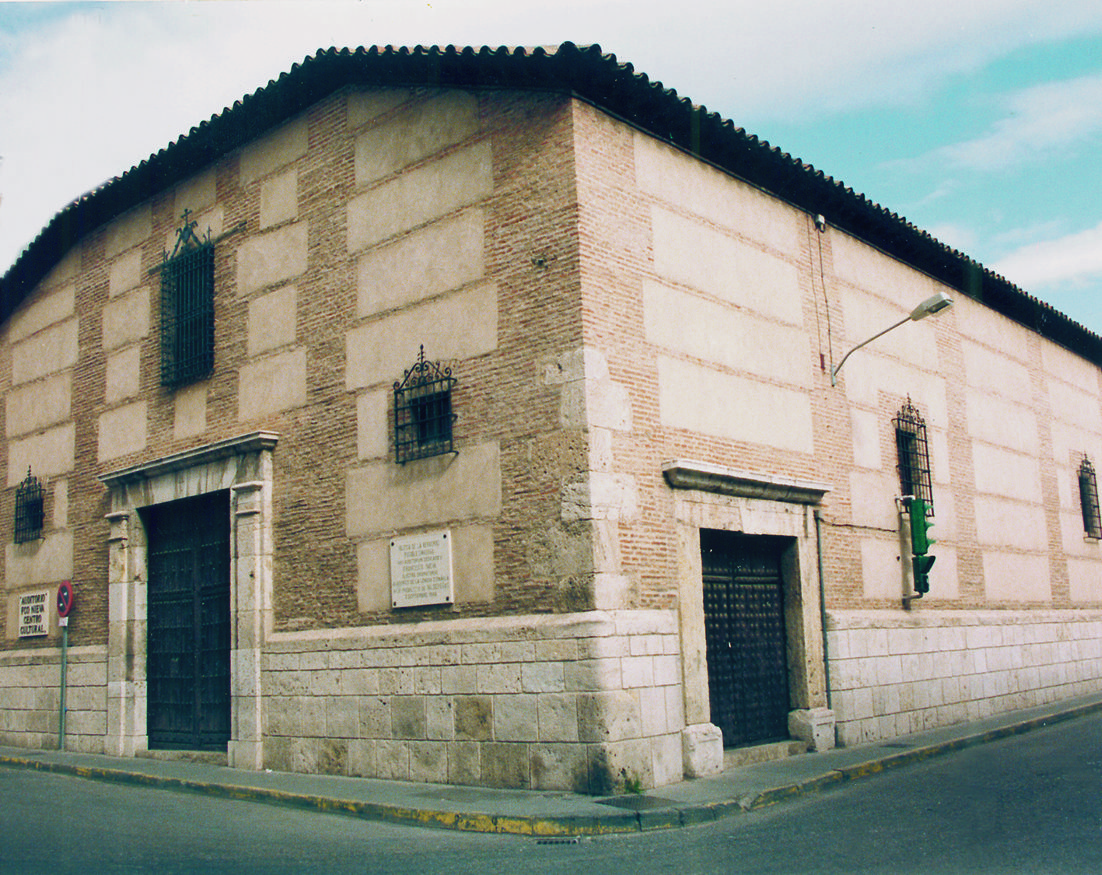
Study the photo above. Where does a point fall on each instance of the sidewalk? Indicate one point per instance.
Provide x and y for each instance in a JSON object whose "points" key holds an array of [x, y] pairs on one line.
{"points": [[527, 812]]}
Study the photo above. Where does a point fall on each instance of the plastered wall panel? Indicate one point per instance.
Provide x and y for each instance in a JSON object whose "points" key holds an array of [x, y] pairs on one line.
{"points": [[196, 194], [274, 151], [866, 315], [126, 273], [1085, 579], [48, 560], [366, 106], [273, 320], [872, 494], [868, 378], [706, 329], [279, 199], [126, 319], [437, 258], [881, 573], [977, 322], [694, 254], [944, 576], [129, 230], [733, 407], [867, 429], [271, 258], [412, 199], [123, 374], [372, 421], [47, 352], [1005, 523], [995, 372], [1074, 405], [417, 132], [1066, 366], [1000, 472], [671, 175], [47, 454], [384, 497], [68, 266], [40, 312], [871, 270], [456, 327], [1073, 535], [190, 411], [122, 431], [472, 568], [1012, 577], [1001, 421], [1069, 443], [272, 384], [35, 406]]}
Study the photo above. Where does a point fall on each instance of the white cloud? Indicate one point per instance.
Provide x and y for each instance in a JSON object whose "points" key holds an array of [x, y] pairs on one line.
{"points": [[1075, 259], [1039, 121]]}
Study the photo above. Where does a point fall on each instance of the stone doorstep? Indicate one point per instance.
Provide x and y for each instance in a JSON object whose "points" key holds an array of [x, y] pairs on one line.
{"points": [[736, 757], [208, 757]]}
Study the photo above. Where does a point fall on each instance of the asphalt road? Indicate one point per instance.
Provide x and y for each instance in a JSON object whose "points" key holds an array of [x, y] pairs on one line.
{"points": [[1029, 804]]}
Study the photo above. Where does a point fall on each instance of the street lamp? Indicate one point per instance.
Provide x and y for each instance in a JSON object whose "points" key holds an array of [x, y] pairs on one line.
{"points": [[933, 304]]}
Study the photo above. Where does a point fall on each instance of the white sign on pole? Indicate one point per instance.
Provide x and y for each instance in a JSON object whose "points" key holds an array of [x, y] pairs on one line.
{"points": [[32, 614], [421, 570]]}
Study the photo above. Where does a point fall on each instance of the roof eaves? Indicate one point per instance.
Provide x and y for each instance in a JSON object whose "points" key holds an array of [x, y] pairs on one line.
{"points": [[590, 74]]}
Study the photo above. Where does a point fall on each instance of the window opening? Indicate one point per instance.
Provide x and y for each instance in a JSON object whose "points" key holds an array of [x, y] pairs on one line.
{"points": [[187, 308], [913, 456], [423, 415], [29, 509], [1088, 499]]}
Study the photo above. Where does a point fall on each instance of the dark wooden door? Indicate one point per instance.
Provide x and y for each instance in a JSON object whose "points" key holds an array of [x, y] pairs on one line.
{"points": [[745, 636], [188, 650]]}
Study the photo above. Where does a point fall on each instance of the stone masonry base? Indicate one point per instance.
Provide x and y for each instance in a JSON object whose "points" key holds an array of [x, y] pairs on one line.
{"points": [[896, 672], [586, 702]]}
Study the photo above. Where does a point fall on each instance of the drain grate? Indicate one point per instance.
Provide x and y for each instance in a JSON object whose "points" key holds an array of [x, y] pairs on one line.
{"points": [[572, 840]]}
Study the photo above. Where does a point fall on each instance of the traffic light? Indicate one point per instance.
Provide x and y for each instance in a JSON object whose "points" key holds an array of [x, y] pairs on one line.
{"points": [[920, 545], [921, 566]]}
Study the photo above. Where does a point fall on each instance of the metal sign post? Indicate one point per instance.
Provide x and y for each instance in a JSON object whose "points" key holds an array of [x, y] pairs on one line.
{"points": [[64, 606]]}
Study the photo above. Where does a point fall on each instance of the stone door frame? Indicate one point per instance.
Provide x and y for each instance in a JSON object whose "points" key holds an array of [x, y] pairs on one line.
{"points": [[243, 465], [708, 496]]}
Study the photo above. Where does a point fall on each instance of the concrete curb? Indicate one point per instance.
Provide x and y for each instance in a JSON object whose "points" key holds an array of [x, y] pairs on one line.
{"points": [[616, 821]]}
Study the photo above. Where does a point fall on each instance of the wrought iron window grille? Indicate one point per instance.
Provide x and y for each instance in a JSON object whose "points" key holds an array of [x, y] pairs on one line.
{"points": [[1088, 499], [913, 456], [29, 509], [187, 307], [423, 416]]}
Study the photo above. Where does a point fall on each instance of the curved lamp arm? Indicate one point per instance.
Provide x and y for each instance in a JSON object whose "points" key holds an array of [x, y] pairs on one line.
{"points": [[933, 304]]}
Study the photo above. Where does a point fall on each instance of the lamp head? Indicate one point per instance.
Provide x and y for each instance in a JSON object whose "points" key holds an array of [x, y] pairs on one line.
{"points": [[933, 304]]}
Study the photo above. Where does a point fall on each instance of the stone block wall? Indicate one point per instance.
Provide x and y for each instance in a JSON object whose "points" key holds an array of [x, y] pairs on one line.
{"points": [[582, 702], [29, 708], [893, 674]]}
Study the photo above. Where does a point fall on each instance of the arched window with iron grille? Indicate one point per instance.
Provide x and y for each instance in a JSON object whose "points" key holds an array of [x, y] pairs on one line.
{"points": [[1088, 499], [29, 509], [913, 455]]}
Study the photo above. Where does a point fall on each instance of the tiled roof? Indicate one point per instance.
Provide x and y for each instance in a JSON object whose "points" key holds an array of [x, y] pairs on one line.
{"points": [[584, 72]]}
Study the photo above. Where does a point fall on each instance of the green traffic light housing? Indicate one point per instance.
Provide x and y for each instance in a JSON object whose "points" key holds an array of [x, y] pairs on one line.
{"points": [[920, 545], [920, 527]]}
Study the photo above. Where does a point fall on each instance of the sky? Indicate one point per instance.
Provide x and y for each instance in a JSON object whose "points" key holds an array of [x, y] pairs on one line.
{"points": [[979, 121]]}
